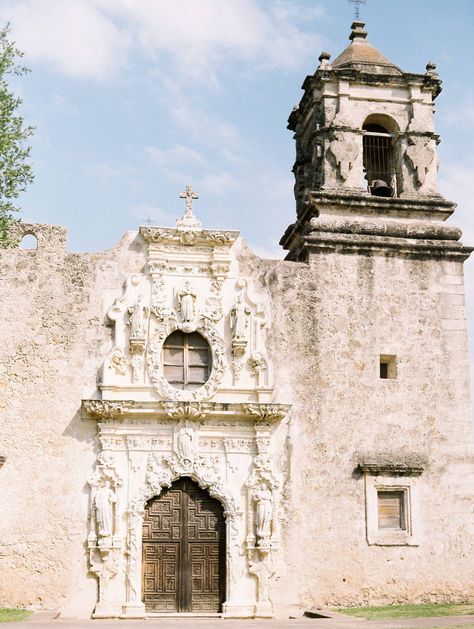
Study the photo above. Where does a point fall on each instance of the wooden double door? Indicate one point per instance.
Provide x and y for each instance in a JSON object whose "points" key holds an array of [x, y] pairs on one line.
{"points": [[183, 551]]}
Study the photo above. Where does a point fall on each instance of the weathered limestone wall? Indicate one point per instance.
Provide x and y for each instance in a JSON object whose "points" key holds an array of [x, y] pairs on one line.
{"points": [[53, 341], [333, 319]]}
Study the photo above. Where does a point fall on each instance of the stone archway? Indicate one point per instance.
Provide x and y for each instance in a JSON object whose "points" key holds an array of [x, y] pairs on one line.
{"points": [[183, 551]]}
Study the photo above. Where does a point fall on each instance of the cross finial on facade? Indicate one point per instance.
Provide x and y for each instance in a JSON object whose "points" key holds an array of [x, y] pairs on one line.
{"points": [[189, 195], [357, 4], [148, 220], [188, 219]]}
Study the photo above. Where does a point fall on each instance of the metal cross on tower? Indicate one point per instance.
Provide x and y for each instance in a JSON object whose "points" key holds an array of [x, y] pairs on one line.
{"points": [[357, 4]]}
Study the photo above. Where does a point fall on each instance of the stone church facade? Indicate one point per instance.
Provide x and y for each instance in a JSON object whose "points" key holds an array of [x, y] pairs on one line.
{"points": [[188, 428]]}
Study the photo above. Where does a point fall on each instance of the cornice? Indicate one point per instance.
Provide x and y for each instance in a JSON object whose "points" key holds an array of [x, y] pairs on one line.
{"points": [[123, 410], [188, 236], [391, 464]]}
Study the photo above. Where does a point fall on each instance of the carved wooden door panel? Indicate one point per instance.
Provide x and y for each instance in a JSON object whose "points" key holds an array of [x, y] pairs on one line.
{"points": [[183, 551]]}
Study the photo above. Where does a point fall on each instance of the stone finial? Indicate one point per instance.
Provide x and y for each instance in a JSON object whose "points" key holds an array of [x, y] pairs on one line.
{"points": [[357, 32], [431, 69], [324, 61], [188, 220]]}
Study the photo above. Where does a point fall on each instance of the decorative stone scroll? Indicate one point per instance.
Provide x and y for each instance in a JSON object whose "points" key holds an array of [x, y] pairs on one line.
{"points": [[106, 409], [267, 413]]}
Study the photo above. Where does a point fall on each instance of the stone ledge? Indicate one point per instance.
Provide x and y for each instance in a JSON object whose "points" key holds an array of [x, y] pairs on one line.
{"points": [[124, 410], [391, 463], [353, 243]]}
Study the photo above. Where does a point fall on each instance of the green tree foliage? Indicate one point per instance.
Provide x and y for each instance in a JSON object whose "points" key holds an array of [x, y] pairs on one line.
{"points": [[15, 170]]}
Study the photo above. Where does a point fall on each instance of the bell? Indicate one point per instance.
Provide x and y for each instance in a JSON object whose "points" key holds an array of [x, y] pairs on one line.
{"points": [[380, 188]]}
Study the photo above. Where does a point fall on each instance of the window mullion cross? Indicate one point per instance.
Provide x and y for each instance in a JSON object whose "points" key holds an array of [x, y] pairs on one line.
{"points": [[185, 362]]}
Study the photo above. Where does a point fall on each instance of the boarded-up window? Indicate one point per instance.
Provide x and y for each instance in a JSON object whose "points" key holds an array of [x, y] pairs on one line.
{"points": [[391, 510], [186, 360]]}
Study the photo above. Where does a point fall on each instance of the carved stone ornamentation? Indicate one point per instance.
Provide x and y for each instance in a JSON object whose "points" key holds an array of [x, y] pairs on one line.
{"points": [[262, 484], [187, 299], [266, 413], [155, 367], [186, 442], [185, 410], [239, 316], [420, 155], [138, 319], [106, 409], [344, 153], [104, 542], [262, 570], [118, 362]]}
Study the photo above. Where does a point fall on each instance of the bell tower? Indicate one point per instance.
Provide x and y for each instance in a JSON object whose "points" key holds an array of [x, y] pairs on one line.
{"points": [[366, 153]]}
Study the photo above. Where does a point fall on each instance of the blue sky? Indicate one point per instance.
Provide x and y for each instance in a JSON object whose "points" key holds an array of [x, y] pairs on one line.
{"points": [[134, 99]]}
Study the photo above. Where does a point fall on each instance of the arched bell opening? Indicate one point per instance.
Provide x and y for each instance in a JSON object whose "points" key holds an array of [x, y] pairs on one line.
{"points": [[183, 551], [379, 155]]}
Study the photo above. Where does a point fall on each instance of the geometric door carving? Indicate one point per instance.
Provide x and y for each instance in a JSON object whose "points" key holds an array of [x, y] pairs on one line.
{"points": [[183, 550]]}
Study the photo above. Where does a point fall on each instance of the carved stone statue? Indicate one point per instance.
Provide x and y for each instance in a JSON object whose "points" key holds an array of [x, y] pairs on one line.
{"points": [[263, 570], [185, 444], [263, 513], [186, 302], [104, 499], [137, 320], [239, 319]]}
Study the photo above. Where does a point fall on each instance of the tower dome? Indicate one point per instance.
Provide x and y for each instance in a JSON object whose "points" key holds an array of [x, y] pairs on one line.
{"points": [[361, 55]]}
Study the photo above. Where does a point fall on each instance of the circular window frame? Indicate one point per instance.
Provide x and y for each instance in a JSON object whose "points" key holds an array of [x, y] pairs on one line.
{"points": [[218, 366]]}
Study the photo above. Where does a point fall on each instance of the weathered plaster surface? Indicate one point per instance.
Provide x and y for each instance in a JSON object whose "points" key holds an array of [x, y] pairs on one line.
{"points": [[331, 319]]}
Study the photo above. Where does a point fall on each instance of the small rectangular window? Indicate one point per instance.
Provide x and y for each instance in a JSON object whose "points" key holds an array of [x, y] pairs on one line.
{"points": [[388, 367], [391, 510]]}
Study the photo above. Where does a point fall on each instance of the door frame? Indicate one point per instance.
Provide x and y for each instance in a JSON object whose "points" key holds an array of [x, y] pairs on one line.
{"points": [[134, 607], [184, 558]]}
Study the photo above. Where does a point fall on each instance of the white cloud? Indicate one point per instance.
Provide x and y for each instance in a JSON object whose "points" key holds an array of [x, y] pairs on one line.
{"points": [[73, 36], [92, 38]]}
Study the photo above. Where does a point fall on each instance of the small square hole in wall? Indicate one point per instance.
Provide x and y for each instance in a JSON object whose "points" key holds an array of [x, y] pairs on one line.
{"points": [[388, 366]]}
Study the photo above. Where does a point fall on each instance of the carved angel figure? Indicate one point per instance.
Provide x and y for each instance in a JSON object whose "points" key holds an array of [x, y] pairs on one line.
{"points": [[239, 318], [264, 512], [104, 499], [186, 302], [137, 320]]}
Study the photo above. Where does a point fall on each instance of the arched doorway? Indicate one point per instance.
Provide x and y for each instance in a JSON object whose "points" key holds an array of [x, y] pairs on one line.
{"points": [[183, 550]]}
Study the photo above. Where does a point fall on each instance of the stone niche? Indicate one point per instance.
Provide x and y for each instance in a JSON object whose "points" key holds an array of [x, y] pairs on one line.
{"points": [[226, 435]]}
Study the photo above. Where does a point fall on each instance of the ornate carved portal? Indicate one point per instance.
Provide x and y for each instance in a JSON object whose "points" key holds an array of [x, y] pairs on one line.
{"points": [[186, 497], [183, 551]]}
